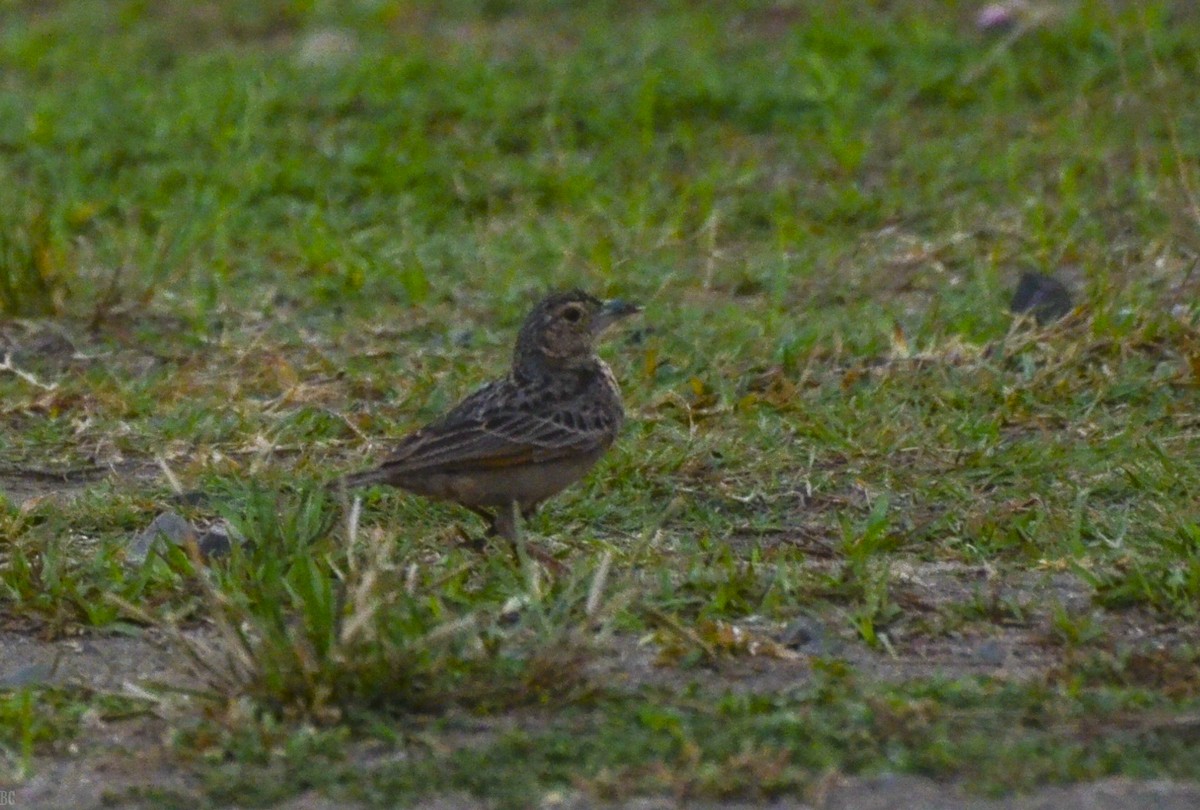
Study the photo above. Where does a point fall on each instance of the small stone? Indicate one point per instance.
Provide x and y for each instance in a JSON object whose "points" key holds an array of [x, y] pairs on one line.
{"points": [[1042, 296], [213, 541], [805, 634], [513, 607], [991, 653], [219, 540], [996, 17], [329, 47], [169, 526]]}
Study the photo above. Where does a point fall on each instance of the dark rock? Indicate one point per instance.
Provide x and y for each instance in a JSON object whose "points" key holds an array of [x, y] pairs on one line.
{"points": [[169, 526], [807, 635], [214, 541], [219, 540], [1045, 298]]}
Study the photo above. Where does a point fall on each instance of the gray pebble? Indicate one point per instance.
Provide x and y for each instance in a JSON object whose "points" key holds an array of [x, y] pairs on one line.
{"points": [[807, 635]]}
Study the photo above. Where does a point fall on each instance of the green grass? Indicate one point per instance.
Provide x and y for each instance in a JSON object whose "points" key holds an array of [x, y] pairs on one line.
{"points": [[37, 720], [271, 239], [697, 745]]}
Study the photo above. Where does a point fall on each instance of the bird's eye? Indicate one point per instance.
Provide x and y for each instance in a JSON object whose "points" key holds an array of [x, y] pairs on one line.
{"points": [[573, 314]]}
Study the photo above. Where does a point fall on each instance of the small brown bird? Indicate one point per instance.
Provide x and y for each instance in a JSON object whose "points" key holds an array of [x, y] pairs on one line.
{"points": [[524, 438]]}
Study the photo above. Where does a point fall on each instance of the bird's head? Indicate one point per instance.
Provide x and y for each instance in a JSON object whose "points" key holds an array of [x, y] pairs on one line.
{"points": [[562, 329]]}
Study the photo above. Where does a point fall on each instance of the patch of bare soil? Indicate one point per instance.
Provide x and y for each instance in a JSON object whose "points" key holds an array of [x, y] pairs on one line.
{"points": [[101, 662], [108, 766], [109, 761]]}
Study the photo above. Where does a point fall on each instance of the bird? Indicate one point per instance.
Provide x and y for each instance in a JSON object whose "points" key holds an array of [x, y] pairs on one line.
{"points": [[525, 437]]}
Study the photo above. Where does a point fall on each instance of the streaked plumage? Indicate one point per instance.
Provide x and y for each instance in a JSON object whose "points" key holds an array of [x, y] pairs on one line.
{"points": [[526, 437]]}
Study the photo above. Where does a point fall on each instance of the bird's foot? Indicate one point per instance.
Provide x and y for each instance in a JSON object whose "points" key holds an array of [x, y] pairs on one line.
{"points": [[467, 540], [542, 556]]}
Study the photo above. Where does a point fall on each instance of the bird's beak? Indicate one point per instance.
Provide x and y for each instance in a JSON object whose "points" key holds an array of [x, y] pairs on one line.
{"points": [[613, 310]]}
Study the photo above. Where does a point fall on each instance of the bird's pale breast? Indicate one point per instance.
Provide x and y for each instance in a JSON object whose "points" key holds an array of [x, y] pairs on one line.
{"points": [[527, 484]]}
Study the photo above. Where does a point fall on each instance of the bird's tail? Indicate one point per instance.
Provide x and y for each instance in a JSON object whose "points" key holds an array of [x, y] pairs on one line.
{"points": [[356, 480]]}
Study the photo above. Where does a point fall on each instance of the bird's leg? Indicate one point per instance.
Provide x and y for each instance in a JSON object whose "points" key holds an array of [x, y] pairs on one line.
{"points": [[508, 526], [470, 540], [505, 523], [475, 543], [487, 516]]}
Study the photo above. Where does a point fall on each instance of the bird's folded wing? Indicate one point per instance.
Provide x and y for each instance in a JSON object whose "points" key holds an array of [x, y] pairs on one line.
{"points": [[495, 440]]}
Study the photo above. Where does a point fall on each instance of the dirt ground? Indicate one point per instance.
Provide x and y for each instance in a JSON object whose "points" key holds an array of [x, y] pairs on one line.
{"points": [[111, 761], [105, 778]]}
